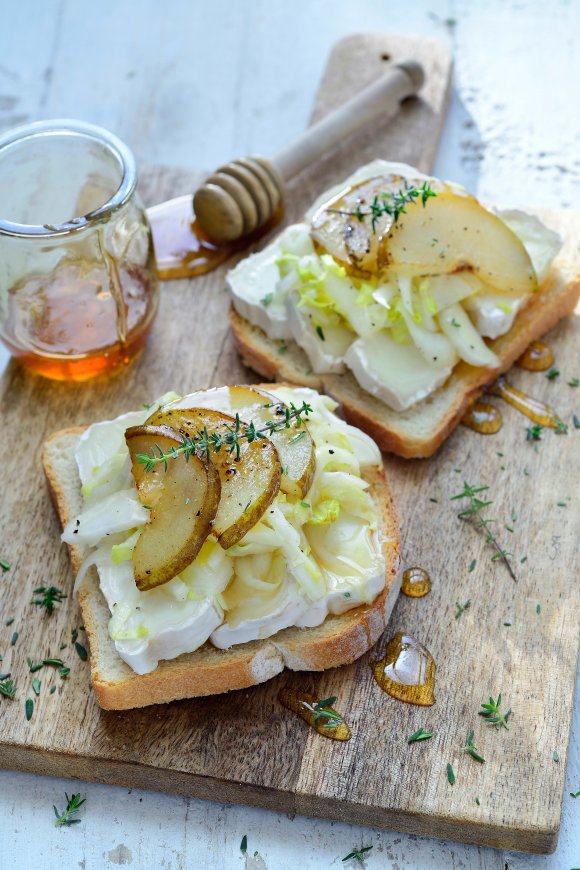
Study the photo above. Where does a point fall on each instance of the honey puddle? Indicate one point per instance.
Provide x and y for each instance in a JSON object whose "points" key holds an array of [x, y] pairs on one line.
{"points": [[416, 583], [537, 358], [483, 418], [535, 410], [182, 249], [304, 704], [406, 671]]}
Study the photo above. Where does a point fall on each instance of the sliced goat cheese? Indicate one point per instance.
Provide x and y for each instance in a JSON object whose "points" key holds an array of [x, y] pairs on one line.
{"points": [[541, 243], [397, 374], [494, 313], [325, 346], [253, 281]]}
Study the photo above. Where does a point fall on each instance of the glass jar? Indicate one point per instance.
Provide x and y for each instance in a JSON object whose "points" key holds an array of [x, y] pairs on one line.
{"points": [[78, 285]]}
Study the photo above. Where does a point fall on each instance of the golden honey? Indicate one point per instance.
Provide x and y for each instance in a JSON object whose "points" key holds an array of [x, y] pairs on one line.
{"points": [[537, 358], [301, 704], [416, 583], [537, 411], [406, 671], [483, 418]]}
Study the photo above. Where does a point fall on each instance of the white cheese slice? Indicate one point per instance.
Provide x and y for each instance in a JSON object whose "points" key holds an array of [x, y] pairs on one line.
{"points": [[397, 374], [325, 354], [541, 243], [494, 313]]}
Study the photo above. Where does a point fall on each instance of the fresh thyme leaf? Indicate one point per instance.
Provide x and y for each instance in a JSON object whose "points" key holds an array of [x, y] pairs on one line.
{"points": [[561, 428], [553, 374], [36, 686], [14, 638], [472, 565], [4, 565], [492, 713], [575, 794], [9, 621], [50, 597], [576, 421], [267, 299], [82, 653], [555, 756], [461, 607], [450, 775], [477, 802], [538, 608], [472, 749], [455, 323], [52, 690], [574, 382], [534, 433], [357, 854], [56, 663], [29, 709], [244, 844], [63, 672], [421, 734], [320, 333], [473, 515], [73, 805], [435, 500], [321, 711], [523, 559], [393, 204], [282, 349], [561, 504], [148, 406], [7, 688]]}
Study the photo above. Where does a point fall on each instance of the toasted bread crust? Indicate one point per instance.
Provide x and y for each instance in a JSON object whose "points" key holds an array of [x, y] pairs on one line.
{"points": [[340, 639], [403, 432]]}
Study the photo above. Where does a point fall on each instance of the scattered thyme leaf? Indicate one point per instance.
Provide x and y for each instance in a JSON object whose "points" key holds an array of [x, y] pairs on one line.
{"points": [[553, 374], [473, 515], [282, 349], [472, 749], [4, 565], [492, 713], [472, 565], [244, 844], [561, 428], [267, 299], [50, 596], [555, 756], [461, 607], [82, 653], [576, 421], [561, 504], [538, 608], [534, 433], [29, 709], [450, 775], [357, 854], [523, 559], [575, 794], [14, 638], [392, 204], [435, 500], [421, 734], [477, 802], [8, 688], [36, 686], [73, 805], [320, 333]]}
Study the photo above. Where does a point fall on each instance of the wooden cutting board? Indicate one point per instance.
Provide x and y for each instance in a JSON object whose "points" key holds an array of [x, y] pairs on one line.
{"points": [[245, 747]]}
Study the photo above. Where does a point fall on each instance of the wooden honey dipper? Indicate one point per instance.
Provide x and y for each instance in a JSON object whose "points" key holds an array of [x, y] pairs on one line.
{"points": [[243, 195]]}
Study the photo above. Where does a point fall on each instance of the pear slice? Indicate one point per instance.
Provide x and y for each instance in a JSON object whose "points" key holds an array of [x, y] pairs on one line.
{"points": [[452, 232], [185, 500], [357, 244], [297, 454], [249, 484]]}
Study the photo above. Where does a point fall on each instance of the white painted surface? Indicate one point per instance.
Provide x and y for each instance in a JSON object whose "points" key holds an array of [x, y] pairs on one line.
{"points": [[194, 84]]}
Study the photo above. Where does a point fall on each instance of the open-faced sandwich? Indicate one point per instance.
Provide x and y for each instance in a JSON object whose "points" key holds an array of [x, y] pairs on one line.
{"points": [[222, 536], [402, 297]]}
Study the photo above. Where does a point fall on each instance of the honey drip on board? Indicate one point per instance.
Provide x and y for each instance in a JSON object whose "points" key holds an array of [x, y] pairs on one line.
{"points": [[416, 583], [406, 671], [296, 701], [74, 324], [535, 410], [537, 358], [182, 249], [483, 418]]}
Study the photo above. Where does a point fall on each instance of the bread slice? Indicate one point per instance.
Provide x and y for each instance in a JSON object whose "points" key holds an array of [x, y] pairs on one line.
{"points": [[420, 430], [209, 671]]}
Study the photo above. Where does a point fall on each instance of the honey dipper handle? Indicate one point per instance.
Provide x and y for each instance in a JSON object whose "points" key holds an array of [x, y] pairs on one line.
{"points": [[383, 96]]}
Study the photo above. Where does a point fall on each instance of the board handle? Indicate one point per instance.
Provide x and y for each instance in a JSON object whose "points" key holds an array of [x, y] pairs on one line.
{"points": [[243, 195]]}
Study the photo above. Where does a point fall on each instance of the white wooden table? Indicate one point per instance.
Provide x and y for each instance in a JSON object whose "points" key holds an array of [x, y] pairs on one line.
{"points": [[195, 83]]}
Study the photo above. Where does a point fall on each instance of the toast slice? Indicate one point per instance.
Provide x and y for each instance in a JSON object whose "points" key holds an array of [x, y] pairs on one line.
{"points": [[208, 671], [420, 430]]}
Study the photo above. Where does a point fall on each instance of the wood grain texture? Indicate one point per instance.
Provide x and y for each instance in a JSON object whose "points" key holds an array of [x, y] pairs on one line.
{"points": [[246, 747]]}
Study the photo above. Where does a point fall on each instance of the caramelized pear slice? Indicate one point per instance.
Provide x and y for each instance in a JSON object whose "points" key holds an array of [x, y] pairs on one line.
{"points": [[297, 455], [455, 232], [357, 244], [249, 484], [185, 499]]}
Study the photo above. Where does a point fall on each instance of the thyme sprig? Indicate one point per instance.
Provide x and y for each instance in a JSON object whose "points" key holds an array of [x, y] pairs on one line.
{"points": [[492, 713], [392, 204], [7, 688], [50, 596], [73, 805], [204, 443], [357, 854], [472, 514], [321, 711], [472, 749]]}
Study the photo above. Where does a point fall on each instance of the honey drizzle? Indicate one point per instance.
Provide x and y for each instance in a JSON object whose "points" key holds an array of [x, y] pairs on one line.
{"points": [[416, 583], [406, 671], [537, 358], [296, 701], [182, 249], [532, 408], [483, 418]]}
